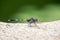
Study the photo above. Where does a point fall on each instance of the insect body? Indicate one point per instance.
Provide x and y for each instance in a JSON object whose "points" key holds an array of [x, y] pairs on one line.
{"points": [[32, 21]]}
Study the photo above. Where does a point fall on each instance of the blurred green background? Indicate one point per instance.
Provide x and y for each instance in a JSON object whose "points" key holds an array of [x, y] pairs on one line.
{"points": [[43, 10]]}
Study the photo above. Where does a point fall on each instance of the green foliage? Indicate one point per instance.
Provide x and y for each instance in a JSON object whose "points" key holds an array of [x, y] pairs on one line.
{"points": [[37, 8]]}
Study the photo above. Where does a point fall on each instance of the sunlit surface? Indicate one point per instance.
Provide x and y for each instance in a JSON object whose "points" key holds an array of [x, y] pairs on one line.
{"points": [[21, 31]]}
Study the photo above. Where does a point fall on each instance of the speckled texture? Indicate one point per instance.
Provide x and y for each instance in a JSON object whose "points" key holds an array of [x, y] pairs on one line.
{"points": [[21, 31]]}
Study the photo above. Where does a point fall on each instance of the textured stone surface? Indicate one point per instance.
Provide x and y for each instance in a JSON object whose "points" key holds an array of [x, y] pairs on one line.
{"points": [[21, 31]]}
